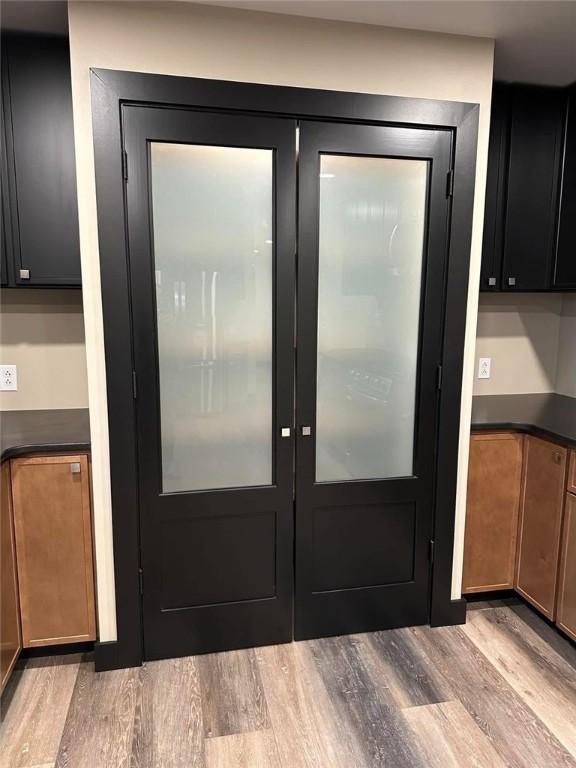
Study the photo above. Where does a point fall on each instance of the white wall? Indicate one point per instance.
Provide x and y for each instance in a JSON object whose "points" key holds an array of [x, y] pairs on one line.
{"points": [[202, 41], [566, 371], [521, 333], [42, 333]]}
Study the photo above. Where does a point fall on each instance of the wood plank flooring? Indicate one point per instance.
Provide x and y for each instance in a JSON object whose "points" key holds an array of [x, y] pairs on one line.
{"points": [[499, 692]]}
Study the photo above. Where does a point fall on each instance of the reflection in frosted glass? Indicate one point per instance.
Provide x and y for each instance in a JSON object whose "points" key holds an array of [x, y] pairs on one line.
{"points": [[372, 217], [213, 223]]}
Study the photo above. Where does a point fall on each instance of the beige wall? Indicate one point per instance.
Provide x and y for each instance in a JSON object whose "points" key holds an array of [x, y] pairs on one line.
{"points": [[520, 333], [566, 371], [202, 41], [42, 333]]}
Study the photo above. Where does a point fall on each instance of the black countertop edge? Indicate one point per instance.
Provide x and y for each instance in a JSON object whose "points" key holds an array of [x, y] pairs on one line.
{"points": [[548, 415], [22, 451], [36, 432], [528, 429]]}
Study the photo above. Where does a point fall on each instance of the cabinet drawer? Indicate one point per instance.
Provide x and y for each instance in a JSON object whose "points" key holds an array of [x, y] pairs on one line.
{"points": [[54, 549], [543, 491]]}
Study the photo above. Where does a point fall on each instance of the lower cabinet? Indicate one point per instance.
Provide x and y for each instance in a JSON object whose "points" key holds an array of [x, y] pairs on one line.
{"points": [[492, 512], [51, 497], [10, 638], [566, 610], [543, 491], [521, 522]]}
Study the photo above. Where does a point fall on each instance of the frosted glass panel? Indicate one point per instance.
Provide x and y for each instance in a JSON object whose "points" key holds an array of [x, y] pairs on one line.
{"points": [[213, 225], [372, 220]]}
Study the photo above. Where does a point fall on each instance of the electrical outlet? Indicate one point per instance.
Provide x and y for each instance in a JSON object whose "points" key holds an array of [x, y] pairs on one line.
{"points": [[8, 378], [484, 364]]}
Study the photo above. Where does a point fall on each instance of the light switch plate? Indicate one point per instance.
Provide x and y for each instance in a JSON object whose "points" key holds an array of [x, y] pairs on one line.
{"points": [[484, 365], [8, 378]]}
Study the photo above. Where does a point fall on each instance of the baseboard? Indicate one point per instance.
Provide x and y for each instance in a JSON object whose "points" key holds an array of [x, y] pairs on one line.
{"points": [[450, 614], [61, 649], [110, 655]]}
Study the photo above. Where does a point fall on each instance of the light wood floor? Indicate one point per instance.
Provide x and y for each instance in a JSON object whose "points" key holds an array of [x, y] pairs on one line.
{"points": [[498, 692]]}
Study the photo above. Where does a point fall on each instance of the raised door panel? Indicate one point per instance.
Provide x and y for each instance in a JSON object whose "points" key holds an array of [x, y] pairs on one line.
{"points": [[54, 549], [494, 478], [566, 613], [572, 473], [42, 183], [543, 490], [532, 190], [10, 638]]}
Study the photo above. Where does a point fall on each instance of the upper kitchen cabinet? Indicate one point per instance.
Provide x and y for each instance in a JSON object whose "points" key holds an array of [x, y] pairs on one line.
{"points": [[38, 172], [522, 194], [565, 267]]}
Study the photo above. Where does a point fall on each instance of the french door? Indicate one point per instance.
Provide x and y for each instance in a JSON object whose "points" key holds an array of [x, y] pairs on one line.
{"points": [[281, 501]]}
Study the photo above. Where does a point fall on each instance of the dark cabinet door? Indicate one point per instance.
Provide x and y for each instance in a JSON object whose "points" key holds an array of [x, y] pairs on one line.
{"points": [[40, 153], [565, 266], [493, 240], [532, 187]]}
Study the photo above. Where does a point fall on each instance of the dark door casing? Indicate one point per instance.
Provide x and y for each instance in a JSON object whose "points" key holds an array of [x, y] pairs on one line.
{"points": [[112, 94]]}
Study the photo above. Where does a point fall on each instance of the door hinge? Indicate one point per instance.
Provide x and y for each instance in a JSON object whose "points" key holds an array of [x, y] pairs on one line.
{"points": [[450, 183], [125, 165], [431, 552], [439, 376], [134, 386], [141, 580]]}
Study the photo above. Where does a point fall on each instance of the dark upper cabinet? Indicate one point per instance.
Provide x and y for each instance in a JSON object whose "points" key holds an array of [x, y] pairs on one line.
{"points": [[493, 240], [564, 277], [39, 174], [523, 188]]}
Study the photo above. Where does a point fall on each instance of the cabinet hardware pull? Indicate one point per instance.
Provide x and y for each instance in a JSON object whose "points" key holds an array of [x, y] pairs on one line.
{"points": [[306, 431], [75, 468], [285, 432], [24, 274], [491, 281], [511, 281]]}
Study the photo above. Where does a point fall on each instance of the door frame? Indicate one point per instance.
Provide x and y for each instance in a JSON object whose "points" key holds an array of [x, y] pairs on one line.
{"points": [[110, 90]]}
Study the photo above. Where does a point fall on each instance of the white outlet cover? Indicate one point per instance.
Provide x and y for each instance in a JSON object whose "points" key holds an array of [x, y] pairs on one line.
{"points": [[8, 378], [484, 366]]}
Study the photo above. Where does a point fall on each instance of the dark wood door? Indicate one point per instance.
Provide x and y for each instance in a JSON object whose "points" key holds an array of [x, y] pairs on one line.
{"points": [[40, 162], [373, 231], [532, 190], [565, 263], [211, 212]]}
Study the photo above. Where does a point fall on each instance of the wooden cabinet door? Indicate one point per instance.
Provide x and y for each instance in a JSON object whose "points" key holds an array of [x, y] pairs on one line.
{"points": [[543, 489], [54, 549], [532, 193], [10, 639], [565, 264], [494, 478], [493, 240], [566, 611], [40, 151]]}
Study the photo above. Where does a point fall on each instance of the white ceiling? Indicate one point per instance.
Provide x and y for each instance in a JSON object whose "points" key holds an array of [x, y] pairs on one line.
{"points": [[535, 39]]}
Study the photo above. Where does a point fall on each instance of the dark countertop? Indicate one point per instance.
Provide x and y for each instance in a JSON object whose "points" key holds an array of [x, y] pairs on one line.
{"points": [[548, 415], [25, 433]]}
